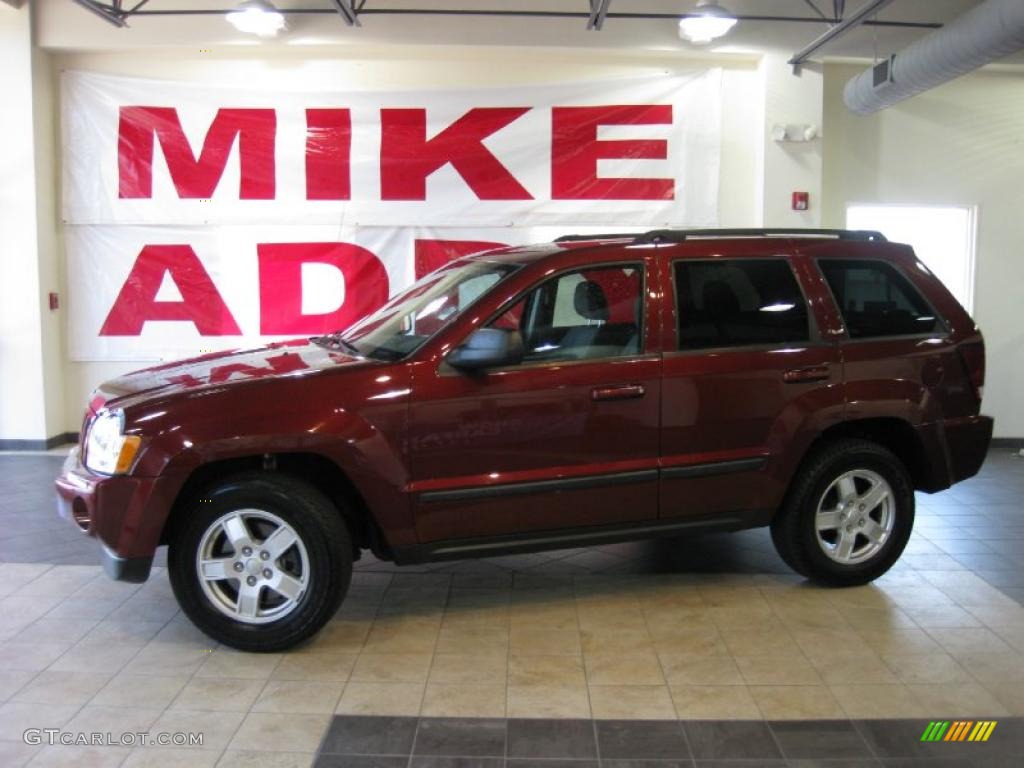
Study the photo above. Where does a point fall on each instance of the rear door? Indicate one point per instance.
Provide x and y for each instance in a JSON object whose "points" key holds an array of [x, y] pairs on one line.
{"points": [[749, 381]]}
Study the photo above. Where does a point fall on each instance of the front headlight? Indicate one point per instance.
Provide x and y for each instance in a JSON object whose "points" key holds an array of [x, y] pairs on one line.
{"points": [[108, 450]]}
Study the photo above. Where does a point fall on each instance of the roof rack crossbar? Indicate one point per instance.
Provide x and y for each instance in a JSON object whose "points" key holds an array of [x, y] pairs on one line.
{"points": [[681, 235], [586, 238]]}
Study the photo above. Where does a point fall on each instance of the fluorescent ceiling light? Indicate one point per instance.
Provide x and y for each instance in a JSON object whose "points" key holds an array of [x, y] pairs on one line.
{"points": [[257, 17], [708, 22]]}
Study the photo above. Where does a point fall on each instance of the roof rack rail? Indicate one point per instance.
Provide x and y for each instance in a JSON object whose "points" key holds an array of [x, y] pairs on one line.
{"points": [[586, 238], [681, 235]]}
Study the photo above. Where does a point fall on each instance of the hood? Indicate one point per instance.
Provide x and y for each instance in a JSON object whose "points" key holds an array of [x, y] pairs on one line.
{"points": [[283, 359]]}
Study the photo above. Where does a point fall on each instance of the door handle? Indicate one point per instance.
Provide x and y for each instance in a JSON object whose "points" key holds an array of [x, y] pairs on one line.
{"points": [[811, 373], [623, 392]]}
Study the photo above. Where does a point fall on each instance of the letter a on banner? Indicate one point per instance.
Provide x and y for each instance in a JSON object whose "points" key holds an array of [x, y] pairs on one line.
{"points": [[137, 301]]}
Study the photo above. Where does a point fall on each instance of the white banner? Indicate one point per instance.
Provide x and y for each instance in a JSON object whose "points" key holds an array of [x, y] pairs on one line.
{"points": [[201, 217], [160, 293]]}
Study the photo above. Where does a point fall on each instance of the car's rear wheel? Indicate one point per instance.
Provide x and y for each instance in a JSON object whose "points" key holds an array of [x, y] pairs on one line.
{"points": [[848, 515], [260, 562]]}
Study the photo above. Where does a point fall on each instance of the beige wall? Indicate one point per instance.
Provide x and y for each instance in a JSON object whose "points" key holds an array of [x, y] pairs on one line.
{"points": [[960, 144], [30, 354]]}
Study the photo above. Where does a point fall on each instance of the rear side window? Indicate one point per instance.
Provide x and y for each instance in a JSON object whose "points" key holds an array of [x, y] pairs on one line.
{"points": [[738, 302], [875, 299]]}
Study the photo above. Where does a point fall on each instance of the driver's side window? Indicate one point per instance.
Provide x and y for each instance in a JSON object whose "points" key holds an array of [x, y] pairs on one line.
{"points": [[586, 314]]}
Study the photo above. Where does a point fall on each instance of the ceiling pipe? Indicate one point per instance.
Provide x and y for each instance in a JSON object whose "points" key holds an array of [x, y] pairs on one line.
{"points": [[984, 34], [854, 20]]}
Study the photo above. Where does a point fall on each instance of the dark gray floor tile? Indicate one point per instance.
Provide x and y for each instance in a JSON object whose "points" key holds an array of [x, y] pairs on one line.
{"points": [[538, 762], [722, 739], [823, 739], [360, 761], [932, 762], [369, 735], [551, 738], [862, 762], [457, 762], [741, 764], [902, 738], [645, 764], [461, 737], [647, 739]]}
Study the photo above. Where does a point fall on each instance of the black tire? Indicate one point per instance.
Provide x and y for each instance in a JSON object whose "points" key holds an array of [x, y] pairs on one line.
{"points": [[794, 528], [322, 532]]}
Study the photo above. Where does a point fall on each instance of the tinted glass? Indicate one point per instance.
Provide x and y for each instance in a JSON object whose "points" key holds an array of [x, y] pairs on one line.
{"points": [[582, 315], [876, 300], [737, 302]]}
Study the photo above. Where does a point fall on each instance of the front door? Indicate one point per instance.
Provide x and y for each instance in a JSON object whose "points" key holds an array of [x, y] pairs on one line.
{"points": [[566, 439]]}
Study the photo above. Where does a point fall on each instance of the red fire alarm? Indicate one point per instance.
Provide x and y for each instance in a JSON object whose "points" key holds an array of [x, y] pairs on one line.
{"points": [[801, 201], [54, 302]]}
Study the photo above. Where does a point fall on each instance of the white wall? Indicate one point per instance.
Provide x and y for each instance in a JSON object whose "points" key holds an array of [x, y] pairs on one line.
{"points": [[399, 68], [960, 144], [30, 355]]}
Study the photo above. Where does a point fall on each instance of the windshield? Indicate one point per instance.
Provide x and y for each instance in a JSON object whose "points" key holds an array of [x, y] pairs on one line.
{"points": [[411, 317]]}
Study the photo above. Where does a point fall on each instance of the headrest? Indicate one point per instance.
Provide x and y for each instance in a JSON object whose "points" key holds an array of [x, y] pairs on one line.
{"points": [[590, 301]]}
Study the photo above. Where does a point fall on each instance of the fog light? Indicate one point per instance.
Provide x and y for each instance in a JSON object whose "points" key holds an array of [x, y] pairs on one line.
{"points": [[80, 514]]}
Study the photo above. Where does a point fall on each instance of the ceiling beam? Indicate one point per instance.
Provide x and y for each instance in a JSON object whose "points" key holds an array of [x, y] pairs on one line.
{"points": [[348, 12], [14, 3], [854, 20], [598, 13], [817, 10], [109, 13]]}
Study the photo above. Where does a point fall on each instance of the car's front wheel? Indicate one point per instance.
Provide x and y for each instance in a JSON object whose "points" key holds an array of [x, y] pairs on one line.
{"points": [[260, 562], [848, 515]]}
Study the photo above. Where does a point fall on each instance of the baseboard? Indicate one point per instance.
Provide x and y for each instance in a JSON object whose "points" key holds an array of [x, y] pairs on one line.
{"points": [[49, 443], [1012, 443]]}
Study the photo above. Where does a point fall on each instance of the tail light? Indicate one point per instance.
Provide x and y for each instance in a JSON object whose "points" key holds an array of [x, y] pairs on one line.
{"points": [[973, 356]]}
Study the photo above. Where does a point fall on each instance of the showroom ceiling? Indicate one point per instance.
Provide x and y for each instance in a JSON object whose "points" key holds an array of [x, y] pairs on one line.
{"points": [[642, 25]]}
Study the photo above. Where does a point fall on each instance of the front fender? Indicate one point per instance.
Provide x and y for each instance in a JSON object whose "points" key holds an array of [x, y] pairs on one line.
{"points": [[356, 420]]}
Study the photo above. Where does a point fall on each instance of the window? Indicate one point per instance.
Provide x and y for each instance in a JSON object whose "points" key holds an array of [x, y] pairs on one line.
{"points": [[587, 314], [876, 300], [942, 237], [737, 302], [402, 325]]}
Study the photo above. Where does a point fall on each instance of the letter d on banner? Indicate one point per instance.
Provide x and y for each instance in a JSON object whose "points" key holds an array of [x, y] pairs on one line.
{"points": [[366, 286]]}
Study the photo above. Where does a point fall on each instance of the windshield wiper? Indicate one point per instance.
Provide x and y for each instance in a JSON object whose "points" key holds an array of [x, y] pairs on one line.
{"points": [[334, 340]]}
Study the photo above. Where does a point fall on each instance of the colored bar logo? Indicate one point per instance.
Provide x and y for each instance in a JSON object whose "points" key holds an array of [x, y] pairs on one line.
{"points": [[958, 730]]}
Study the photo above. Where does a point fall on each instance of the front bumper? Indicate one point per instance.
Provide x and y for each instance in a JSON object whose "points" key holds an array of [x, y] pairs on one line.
{"points": [[133, 569], [125, 513]]}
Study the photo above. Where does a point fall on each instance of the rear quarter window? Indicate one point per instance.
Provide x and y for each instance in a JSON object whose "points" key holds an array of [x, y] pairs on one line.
{"points": [[877, 300]]}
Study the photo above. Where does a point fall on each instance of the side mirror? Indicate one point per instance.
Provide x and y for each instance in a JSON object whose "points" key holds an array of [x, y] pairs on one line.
{"points": [[488, 348]]}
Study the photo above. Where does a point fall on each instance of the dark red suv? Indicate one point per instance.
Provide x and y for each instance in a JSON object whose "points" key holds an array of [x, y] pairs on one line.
{"points": [[591, 390]]}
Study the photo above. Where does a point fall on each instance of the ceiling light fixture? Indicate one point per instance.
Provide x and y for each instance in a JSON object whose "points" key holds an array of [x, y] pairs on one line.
{"points": [[708, 22], [257, 17]]}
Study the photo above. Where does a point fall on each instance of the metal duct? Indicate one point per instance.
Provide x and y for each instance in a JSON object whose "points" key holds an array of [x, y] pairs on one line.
{"points": [[982, 35]]}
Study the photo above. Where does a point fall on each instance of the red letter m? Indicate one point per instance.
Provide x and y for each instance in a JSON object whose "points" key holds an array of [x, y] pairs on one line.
{"points": [[255, 129]]}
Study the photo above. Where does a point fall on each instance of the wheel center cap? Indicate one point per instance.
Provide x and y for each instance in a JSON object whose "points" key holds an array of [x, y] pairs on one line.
{"points": [[253, 566]]}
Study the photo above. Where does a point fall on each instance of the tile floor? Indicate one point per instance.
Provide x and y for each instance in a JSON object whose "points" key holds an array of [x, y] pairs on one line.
{"points": [[638, 636]]}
